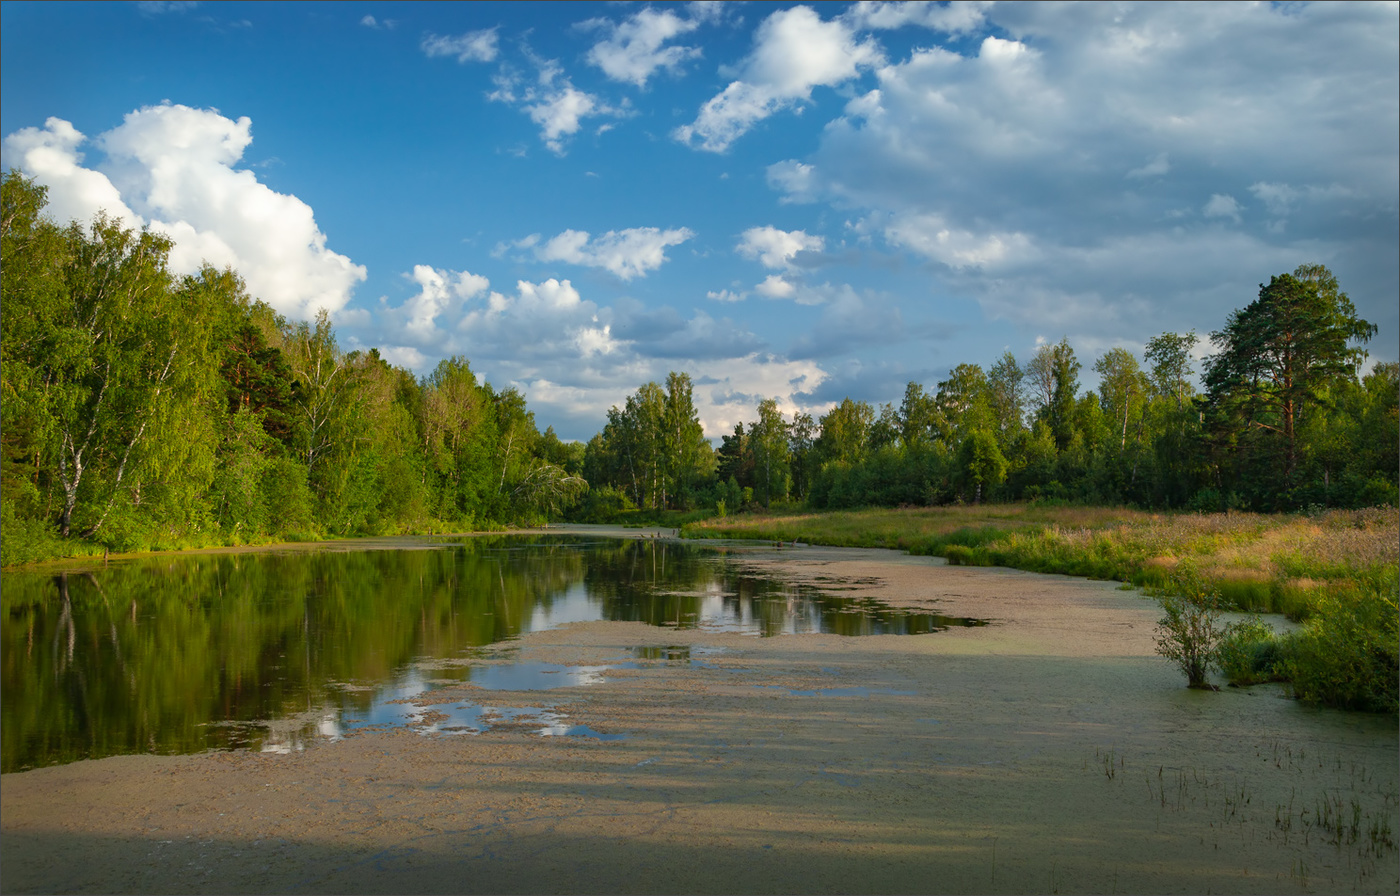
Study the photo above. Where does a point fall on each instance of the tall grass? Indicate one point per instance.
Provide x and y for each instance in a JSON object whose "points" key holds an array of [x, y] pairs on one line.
{"points": [[1337, 571], [1253, 562]]}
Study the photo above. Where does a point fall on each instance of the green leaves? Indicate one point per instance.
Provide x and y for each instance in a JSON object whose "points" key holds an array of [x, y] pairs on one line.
{"points": [[1279, 358]]}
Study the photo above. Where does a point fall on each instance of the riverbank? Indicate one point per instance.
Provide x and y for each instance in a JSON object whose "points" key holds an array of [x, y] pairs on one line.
{"points": [[1048, 751]]}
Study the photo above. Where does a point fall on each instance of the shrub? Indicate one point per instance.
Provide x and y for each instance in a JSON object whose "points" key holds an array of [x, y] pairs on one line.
{"points": [[1249, 653], [26, 540], [1348, 652], [1189, 634]]}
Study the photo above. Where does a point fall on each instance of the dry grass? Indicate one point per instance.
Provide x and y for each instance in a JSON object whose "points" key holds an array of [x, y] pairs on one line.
{"points": [[1256, 561]]}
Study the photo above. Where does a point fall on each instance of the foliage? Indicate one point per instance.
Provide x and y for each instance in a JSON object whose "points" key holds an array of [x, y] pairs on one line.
{"points": [[981, 461], [1249, 652], [1348, 652], [1189, 634], [1280, 358], [143, 410]]}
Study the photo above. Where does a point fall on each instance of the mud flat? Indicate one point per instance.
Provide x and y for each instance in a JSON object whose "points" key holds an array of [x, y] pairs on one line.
{"points": [[1049, 751]]}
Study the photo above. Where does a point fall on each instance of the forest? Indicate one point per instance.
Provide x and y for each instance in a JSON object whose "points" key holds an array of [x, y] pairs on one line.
{"points": [[148, 410]]}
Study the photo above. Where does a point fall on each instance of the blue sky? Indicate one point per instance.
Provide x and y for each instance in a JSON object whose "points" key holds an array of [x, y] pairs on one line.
{"points": [[787, 201]]}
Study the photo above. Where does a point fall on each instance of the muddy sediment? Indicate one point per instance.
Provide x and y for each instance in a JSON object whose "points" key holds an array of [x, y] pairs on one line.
{"points": [[1049, 751]]}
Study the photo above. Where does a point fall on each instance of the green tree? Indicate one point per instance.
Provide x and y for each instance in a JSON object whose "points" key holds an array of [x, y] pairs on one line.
{"points": [[459, 439], [920, 421], [963, 401], [1279, 356], [981, 462], [802, 440], [845, 431], [1054, 377], [769, 438], [102, 351], [1004, 395], [687, 455], [1123, 392], [1169, 359]]}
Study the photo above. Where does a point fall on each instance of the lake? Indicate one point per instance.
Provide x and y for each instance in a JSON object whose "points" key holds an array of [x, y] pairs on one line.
{"points": [[266, 650]]}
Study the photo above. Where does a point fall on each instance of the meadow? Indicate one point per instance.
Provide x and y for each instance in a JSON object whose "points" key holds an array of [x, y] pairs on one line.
{"points": [[1335, 571]]}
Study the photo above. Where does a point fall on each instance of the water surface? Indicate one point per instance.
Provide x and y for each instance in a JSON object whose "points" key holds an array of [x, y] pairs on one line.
{"points": [[188, 653]]}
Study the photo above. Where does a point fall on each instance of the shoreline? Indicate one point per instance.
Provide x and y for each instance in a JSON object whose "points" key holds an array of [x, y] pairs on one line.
{"points": [[1049, 750]]}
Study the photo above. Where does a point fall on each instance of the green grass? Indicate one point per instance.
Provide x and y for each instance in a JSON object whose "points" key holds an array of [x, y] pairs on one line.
{"points": [[1336, 570], [1254, 562]]}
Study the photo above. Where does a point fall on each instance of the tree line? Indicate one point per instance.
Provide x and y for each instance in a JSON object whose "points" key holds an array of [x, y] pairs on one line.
{"points": [[142, 409], [1285, 421]]}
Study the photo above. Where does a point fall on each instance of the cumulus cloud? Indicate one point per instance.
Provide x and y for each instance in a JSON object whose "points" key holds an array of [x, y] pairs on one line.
{"points": [[775, 248], [957, 17], [171, 168], [473, 46], [794, 52], [574, 358], [1157, 166], [439, 291], [775, 287], [552, 102], [161, 7], [1054, 158], [636, 47], [50, 155], [625, 253]]}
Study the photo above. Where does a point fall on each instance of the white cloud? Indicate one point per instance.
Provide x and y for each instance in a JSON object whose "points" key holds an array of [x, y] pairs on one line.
{"points": [[626, 253], [634, 49], [379, 24], [552, 102], [1222, 205], [1278, 198], [474, 46], [794, 51], [569, 355], [171, 167], [51, 157], [159, 7], [931, 236], [775, 287], [793, 179], [439, 291], [726, 295], [952, 18], [1072, 150], [559, 112], [775, 248]]}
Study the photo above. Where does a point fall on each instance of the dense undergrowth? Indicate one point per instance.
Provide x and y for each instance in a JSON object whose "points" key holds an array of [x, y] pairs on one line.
{"points": [[1335, 571]]}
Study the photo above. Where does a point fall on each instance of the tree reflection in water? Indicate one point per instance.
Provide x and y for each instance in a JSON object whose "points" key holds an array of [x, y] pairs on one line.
{"points": [[187, 653]]}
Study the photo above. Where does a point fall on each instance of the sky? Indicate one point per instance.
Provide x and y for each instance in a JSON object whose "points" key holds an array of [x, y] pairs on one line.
{"points": [[788, 201]]}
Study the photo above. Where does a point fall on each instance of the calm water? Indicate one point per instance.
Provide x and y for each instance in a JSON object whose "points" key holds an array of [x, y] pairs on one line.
{"points": [[262, 651]]}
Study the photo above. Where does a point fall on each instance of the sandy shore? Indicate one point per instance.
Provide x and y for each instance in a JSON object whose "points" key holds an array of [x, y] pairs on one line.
{"points": [[1051, 751]]}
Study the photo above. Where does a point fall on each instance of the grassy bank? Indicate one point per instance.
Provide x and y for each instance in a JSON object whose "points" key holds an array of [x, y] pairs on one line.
{"points": [[1336, 570], [1254, 562]]}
